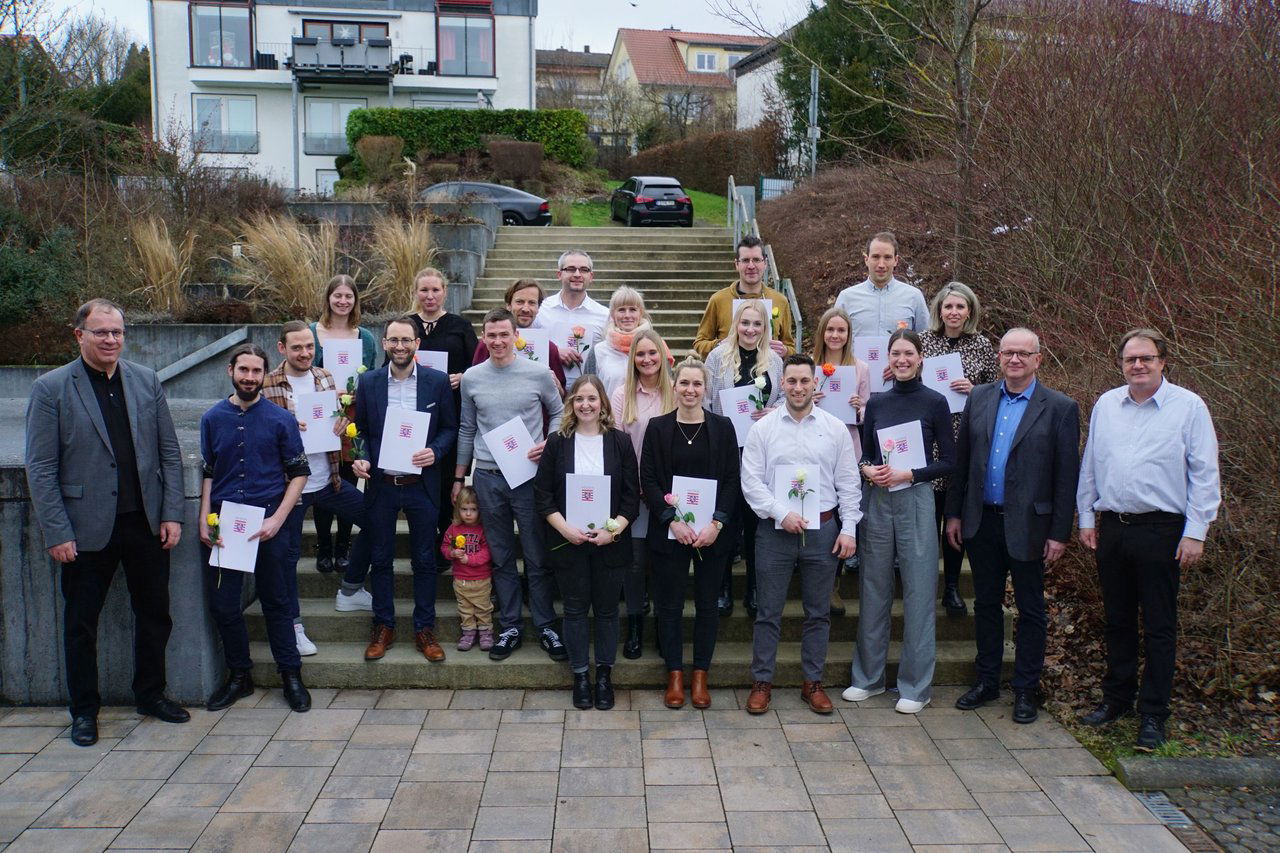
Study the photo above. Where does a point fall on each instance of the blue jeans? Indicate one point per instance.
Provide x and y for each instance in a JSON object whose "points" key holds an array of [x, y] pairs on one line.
{"points": [[347, 503], [382, 505], [224, 586], [500, 508]]}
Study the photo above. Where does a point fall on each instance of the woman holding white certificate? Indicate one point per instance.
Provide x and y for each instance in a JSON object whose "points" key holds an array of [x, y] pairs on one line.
{"points": [[585, 461], [609, 358], [744, 358], [953, 328], [688, 454], [906, 443]]}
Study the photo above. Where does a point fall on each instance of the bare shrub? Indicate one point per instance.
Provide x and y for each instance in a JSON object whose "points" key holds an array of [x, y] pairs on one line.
{"points": [[515, 160], [163, 263], [397, 249], [381, 157], [285, 265], [440, 172], [359, 193], [561, 211]]}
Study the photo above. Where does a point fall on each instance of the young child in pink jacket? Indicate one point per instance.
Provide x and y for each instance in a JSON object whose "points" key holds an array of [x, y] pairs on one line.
{"points": [[465, 547]]}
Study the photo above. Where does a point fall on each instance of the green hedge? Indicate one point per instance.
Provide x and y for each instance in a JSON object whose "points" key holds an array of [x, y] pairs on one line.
{"points": [[563, 133]]}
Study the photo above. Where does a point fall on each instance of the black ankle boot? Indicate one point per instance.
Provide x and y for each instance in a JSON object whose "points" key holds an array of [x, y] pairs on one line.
{"points": [[295, 692], [604, 687], [952, 601], [582, 699], [237, 686], [635, 637]]}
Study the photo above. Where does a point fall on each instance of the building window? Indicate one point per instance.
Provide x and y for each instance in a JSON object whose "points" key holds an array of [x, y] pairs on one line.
{"points": [[358, 31], [464, 46], [445, 102], [221, 36], [735, 58], [624, 71], [225, 124], [325, 181], [705, 61], [326, 128]]}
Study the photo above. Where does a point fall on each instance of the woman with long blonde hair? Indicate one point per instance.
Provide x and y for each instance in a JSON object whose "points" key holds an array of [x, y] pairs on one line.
{"points": [[627, 317]]}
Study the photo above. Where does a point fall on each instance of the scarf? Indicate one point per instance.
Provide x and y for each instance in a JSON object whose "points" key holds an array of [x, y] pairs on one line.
{"points": [[620, 340]]}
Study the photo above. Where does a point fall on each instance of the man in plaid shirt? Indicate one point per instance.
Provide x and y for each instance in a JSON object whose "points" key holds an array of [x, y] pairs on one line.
{"points": [[296, 375]]}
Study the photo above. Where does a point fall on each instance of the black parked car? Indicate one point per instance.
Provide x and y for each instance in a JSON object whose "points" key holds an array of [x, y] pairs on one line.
{"points": [[518, 207], [651, 201]]}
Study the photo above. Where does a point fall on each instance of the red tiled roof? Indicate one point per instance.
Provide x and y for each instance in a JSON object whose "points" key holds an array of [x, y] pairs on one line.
{"points": [[656, 60]]}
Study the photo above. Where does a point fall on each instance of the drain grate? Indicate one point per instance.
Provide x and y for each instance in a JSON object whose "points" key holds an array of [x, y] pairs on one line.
{"points": [[1195, 839], [1162, 807]]}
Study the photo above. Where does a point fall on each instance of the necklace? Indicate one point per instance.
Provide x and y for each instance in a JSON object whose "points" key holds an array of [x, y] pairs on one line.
{"points": [[687, 438]]}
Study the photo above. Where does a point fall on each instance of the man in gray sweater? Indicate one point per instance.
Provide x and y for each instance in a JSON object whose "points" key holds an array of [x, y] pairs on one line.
{"points": [[494, 392]]}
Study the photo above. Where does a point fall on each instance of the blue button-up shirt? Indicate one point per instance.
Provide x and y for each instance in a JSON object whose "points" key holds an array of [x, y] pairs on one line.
{"points": [[250, 454], [1008, 415]]}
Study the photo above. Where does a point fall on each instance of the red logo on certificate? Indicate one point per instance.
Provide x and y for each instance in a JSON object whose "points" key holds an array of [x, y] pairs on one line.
{"points": [[239, 525], [317, 412], [406, 430], [510, 443]]}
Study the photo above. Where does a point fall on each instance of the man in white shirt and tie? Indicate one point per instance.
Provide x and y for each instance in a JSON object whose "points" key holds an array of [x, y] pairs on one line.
{"points": [[1149, 489], [572, 310], [798, 434]]}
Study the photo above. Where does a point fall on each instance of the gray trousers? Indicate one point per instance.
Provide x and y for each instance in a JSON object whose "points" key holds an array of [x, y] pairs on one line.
{"points": [[501, 507], [778, 554], [901, 522]]}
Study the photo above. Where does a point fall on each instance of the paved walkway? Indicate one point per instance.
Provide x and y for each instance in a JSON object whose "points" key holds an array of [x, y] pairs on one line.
{"points": [[490, 770]]}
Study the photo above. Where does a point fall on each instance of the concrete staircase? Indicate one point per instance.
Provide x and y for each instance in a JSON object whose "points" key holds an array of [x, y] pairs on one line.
{"points": [[677, 269]]}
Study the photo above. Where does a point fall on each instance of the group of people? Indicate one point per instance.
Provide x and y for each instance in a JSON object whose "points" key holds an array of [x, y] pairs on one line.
{"points": [[801, 492]]}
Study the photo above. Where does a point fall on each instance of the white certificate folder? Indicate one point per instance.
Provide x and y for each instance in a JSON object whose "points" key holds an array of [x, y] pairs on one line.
{"points": [[695, 495], [236, 523], [404, 433], [315, 409], [587, 498], [510, 444], [906, 449]]}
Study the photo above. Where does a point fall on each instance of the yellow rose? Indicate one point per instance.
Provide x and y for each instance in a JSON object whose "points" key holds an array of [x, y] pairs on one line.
{"points": [[212, 519], [361, 369], [351, 431], [345, 399], [459, 541], [776, 313], [519, 343]]}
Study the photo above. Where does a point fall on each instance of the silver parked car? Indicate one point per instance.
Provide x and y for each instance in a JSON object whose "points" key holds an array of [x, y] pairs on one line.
{"points": [[518, 207]]}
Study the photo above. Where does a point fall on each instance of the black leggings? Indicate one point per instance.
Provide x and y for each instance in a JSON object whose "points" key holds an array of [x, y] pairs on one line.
{"points": [[951, 558], [323, 518], [670, 579]]}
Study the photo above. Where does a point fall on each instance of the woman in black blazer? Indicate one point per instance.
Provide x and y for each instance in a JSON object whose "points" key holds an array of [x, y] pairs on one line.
{"points": [[689, 442], [589, 564]]}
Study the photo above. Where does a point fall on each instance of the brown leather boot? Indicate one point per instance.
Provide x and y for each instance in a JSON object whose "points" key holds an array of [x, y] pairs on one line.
{"points": [[698, 692], [381, 638], [674, 697], [425, 642], [758, 701], [814, 696]]}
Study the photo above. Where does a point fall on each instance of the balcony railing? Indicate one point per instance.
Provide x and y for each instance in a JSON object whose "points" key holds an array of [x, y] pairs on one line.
{"points": [[341, 56], [223, 142], [324, 143]]}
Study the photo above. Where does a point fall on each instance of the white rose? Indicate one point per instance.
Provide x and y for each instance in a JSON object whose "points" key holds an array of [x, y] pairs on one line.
{"points": [[760, 382]]}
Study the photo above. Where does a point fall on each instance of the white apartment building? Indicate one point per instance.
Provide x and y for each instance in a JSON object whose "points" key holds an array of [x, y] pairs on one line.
{"points": [[267, 85]]}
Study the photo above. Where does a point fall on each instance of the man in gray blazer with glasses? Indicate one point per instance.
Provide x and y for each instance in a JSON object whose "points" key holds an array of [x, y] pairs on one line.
{"points": [[105, 472]]}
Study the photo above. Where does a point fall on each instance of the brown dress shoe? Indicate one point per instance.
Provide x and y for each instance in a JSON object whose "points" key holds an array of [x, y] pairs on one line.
{"points": [[758, 701], [425, 642], [814, 696], [698, 692], [381, 638], [674, 697]]}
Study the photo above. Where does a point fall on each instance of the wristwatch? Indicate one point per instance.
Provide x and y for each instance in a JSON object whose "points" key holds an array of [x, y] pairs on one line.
{"points": [[459, 479], [718, 523]]}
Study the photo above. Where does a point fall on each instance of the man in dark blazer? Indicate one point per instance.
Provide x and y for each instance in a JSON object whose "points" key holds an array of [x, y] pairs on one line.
{"points": [[1012, 501], [105, 472], [402, 384]]}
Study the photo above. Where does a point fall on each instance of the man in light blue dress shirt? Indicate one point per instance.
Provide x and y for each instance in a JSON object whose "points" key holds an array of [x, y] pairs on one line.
{"points": [[1148, 491], [882, 304]]}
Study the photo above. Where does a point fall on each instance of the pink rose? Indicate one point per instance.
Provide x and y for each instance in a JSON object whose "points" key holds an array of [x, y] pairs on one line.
{"points": [[670, 499]]}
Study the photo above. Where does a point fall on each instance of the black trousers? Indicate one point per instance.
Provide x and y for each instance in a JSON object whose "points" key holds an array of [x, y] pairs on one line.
{"points": [[743, 526], [991, 564], [85, 583], [587, 584], [323, 518], [951, 558], [1139, 575], [670, 580]]}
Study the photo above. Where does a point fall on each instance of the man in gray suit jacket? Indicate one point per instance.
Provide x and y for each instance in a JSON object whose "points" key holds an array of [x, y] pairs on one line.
{"points": [[1011, 501], [105, 473]]}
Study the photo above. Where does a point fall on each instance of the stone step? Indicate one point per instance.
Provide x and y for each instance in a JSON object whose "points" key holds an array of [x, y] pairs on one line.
{"points": [[342, 665], [614, 232], [545, 256], [653, 267], [607, 284], [658, 241], [662, 318], [675, 299], [326, 625], [609, 229]]}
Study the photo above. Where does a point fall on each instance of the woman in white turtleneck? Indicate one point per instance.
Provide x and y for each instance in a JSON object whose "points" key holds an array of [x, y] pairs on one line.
{"points": [[609, 358]]}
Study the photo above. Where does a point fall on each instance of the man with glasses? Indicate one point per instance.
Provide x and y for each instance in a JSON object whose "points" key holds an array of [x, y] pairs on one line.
{"points": [[1010, 505], [402, 384], [105, 472], [572, 311], [1149, 490], [716, 320], [882, 304]]}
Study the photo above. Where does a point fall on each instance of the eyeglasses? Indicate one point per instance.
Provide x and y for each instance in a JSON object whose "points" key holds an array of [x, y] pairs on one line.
{"points": [[399, 342], [1017, 353], [572, 270], [104, 334], [1144, 360], [751, 261]]}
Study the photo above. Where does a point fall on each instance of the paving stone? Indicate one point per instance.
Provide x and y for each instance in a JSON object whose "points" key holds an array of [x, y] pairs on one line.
{"points": [[34, 717], [922, 787], [62, 754], [38, 786], [28, 738], [453, 741], [12, 763], [877, 718], [328, 837], [815, 733], [594, 720], [528, 737], [683, 803], [838, 778], [488, 699], [427, 840], [661, 729], [750, 748], [1087, 800], [15, 817], [274, 698], [213, 768], [762, 789], [516, 762], [679, 771], [1121, 838], [847, 806], [689, 836], [774, 829], [428, 767], [415, 699], [1047, 832], [355, 787], [498, 823], [896, 746], [783, 699], [602, 782], [954, 726], [601, 748], [394, 717], [434, 805], [385, 761], [1015, 803], [600, 813], [63, 840], [1060, 762], [521, 846], [520, 789], [232, 745], [676, 748], [114, 729], [300, 753], [250, 721], [164, 826], [1044, 733], [197, 795], [248, 833], [534, 715], [555, 700], [463, 720], [716, 719], [966, 748], [277, 789], [879, 834], [994, 774], [152, 734], [320, 725], [348, 810], [825, 752], [109, 802], [630, 840], [356, 699], [375, 736], [947, 826]]}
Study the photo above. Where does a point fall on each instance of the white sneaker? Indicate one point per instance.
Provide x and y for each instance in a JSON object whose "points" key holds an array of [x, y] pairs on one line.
{"points": [[910, 706], [305, 646], [857, 694], [358, 600]]}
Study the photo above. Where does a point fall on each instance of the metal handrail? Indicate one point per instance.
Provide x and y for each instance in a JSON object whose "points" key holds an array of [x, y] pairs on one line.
{"points": [[741, 224]]}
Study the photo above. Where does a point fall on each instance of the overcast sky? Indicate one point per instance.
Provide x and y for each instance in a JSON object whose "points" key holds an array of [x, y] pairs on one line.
{"points": [[567, 23]]}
